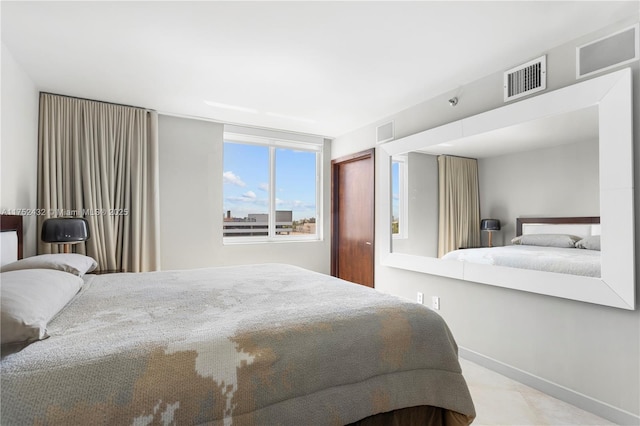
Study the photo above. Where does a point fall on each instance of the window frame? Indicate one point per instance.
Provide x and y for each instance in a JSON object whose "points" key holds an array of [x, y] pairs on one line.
{"points": [[274, 143]]}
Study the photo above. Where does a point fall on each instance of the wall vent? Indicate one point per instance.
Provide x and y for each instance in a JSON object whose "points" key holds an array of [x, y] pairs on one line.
{"points": [[384, 132], [605, 53], [525, 79]]}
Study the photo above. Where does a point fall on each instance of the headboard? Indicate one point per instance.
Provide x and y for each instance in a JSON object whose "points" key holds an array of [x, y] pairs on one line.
{"points": [[11, 242], [579, 226]]}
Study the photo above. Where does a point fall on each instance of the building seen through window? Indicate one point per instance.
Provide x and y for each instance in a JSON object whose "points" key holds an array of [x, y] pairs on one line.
{"points": [[265, 177]]}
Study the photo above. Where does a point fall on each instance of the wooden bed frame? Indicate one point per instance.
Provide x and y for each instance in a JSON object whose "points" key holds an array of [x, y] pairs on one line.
{"points": [[9, 223], [583, 220]]}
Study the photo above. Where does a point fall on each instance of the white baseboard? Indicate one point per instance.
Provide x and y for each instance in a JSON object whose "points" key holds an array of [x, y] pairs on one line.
{"points": [[599, 408]]}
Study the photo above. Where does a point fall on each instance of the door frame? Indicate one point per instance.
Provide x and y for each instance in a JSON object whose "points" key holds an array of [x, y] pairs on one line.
{"points": [[335, 207]]}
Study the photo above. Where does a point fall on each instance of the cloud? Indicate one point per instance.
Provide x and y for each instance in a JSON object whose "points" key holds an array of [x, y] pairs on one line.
{"points": [[264, 187], [247, 197], [230, 177]]}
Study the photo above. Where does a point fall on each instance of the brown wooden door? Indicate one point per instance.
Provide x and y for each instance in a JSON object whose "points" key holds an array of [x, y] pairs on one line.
{"points": [[352, 244]]}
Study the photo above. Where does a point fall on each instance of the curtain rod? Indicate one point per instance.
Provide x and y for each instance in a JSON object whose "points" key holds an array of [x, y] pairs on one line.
{"points": [[457, 156], [94, 100]]}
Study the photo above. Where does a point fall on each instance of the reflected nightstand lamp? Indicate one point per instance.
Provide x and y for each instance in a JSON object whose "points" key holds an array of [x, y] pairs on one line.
{"points": [[65, 230], [490, 225]]}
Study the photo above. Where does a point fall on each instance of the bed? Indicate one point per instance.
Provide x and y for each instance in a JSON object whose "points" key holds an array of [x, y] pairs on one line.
{"points": [[241, 345], [567, 245]]}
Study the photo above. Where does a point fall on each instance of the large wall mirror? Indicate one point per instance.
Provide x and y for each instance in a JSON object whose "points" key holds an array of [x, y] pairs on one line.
{"points": [[567, 152]]}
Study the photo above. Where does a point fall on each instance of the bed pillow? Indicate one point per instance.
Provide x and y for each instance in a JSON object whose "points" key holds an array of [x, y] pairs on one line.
{"points": [[547, 240], [589, 243], [74, 263], [29, 299]]}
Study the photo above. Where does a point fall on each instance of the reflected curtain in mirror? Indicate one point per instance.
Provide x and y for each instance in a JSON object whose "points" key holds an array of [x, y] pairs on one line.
{"points": [[459, 204], [100, 161]]}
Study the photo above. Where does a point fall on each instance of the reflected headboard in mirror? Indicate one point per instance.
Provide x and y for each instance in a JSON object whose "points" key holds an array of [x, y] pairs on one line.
{"points": [[606, 103], [11, 238], [581, 226]]}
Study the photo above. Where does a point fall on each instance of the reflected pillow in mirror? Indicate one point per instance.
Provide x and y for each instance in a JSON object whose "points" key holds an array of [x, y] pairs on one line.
{"points": [[589, 243], [547, 240], [73, 263]]}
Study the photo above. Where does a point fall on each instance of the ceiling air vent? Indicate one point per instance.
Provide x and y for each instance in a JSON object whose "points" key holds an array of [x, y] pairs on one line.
{"points": [[384, 133], [525, 79], [608, 52]]}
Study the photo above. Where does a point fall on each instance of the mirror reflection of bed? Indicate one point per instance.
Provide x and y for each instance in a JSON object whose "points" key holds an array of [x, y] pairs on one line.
{"points": [[548, 167], [562, 245], [563, 153]]}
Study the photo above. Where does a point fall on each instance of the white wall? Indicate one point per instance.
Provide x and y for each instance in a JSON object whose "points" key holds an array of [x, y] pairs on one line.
{"points": [[557, 181], [19, 145], [191, 205], [591, 351], [422, 206]]}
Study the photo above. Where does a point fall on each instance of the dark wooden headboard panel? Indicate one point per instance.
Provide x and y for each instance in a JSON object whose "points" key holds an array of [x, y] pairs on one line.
{"points": [[9, 222], [555, 220]]}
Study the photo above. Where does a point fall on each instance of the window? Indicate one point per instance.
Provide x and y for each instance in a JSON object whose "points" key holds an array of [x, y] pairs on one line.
{"points": [[399, 192], [271, 189]]}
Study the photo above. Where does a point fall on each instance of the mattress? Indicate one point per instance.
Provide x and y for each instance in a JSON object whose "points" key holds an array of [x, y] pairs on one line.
{"points": [[251, 345], [550, 259]]}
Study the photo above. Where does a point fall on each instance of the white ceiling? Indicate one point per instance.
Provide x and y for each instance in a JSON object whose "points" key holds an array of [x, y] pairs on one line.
{"points": [[323, 68], [562, 129]]}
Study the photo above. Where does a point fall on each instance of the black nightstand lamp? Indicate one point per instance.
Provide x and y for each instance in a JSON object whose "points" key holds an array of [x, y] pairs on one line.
{"points": [[65, 230], [490, 225]]}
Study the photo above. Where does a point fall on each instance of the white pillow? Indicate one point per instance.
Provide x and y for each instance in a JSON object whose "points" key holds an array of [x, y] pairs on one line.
{"points": [[29, 299], [73, 263], [589, 243], [547, 240]]}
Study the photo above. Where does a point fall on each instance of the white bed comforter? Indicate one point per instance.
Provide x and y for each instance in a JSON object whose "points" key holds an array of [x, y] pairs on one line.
{"points": [[254, 345], [551, 259]]}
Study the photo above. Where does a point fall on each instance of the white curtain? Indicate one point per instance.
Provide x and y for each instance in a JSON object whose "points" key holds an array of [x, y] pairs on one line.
{"points": [[459, 204], [100, 161]]}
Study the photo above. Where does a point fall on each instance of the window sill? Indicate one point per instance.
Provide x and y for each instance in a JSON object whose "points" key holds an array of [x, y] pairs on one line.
{"points": [[230, 241]]}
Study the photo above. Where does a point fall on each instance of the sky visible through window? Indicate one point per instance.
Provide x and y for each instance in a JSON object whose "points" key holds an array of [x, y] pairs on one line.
{"points": [[395, 189], [246, 181]]}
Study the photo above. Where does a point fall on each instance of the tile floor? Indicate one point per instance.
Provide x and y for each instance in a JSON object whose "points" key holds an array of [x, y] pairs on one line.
{"points": [[502, 401]]}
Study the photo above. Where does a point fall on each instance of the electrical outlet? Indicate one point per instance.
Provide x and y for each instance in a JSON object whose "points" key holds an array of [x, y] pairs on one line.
{"points": [[420, 298], [436, 302]]}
